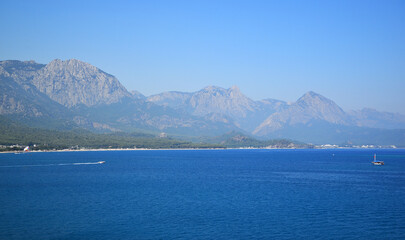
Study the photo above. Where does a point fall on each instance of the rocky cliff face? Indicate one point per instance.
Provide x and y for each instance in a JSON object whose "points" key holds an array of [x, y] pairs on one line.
{"points": [[319, 107], [309, 108], [230, 102], [77, 92], [73, 82], [224, 105], [19, 97]]}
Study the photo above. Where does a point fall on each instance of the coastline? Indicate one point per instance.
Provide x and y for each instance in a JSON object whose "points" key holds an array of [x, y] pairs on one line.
{"points": [[111, 149], [182, 149]]}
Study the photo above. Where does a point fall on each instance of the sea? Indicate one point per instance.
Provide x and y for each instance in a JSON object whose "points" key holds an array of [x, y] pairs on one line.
{"points": [[203, 194]]}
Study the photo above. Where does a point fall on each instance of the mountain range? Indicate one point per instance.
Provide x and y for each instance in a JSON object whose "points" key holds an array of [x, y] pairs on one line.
{"points": [[74, 94]]}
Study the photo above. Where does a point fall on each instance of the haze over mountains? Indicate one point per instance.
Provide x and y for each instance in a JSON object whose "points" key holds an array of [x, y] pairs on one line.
{"points": [[74, 94]]}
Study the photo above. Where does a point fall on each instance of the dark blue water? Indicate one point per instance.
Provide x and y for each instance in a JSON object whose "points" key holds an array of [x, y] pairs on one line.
{"points": [[203, 194]]}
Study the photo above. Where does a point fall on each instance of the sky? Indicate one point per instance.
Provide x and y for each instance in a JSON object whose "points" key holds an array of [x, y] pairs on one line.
{"points": [[352, 52]]}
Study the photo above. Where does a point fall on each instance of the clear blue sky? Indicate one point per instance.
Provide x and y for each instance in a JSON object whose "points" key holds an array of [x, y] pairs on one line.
{"points": [[352, 52]]}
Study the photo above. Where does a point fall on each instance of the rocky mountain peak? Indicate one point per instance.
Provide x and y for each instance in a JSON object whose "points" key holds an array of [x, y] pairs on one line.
{"points": [[212, 89], [234, 91], [312, 98], [321, 107], [215, 91], [310, 107], [317, 102], [72, 67], [73, 82], [214, 99], [234, 88]]}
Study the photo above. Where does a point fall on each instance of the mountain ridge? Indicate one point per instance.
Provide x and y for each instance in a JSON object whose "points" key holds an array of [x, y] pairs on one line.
{"points": [[73, 82], [88, 97], [311, 106], [75, 92], [217, 100]]}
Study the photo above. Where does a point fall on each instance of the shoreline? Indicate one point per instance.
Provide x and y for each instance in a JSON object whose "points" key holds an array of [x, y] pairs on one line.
{"points": [[182, 149]]}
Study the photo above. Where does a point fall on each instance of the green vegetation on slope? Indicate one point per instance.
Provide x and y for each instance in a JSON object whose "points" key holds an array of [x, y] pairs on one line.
{"points": [[12, 133], [235, 139]]}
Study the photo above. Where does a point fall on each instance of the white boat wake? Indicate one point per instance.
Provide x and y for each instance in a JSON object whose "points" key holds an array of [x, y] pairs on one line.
{"points": [[59, 164]]}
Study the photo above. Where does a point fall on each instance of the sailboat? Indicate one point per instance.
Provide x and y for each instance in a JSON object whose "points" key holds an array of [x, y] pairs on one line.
{"points": [[375, 162]]}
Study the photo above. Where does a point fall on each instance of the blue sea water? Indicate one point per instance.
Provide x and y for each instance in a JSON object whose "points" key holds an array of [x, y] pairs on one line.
{"points": [[203, 194]]}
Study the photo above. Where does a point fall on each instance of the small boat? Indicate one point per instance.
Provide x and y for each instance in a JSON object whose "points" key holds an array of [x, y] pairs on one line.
{"points": [[26, 149], [101, 162], [375, 162]]}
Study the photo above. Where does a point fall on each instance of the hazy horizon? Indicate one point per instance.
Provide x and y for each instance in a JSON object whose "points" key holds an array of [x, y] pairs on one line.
{"points": [[350, 52]]}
